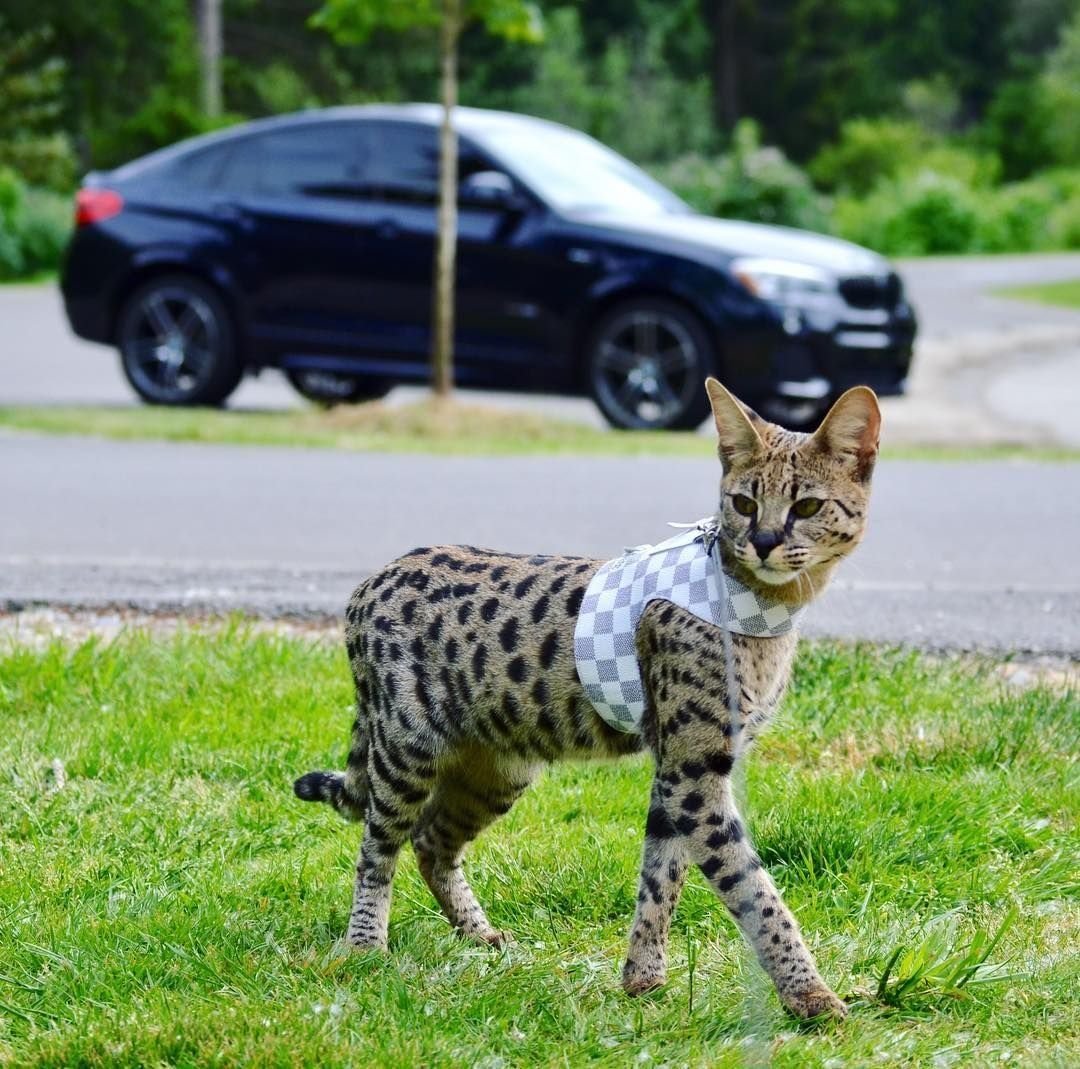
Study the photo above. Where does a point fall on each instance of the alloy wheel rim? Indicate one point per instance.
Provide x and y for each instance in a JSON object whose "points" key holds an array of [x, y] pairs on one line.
{"points": [[329, 384], [646, 368], [170, 342]]}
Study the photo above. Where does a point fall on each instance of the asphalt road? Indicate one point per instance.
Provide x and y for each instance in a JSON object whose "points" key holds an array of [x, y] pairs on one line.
{"points": [[958, 556]]}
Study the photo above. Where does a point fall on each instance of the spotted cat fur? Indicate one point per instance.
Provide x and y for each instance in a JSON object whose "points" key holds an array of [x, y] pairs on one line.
{"points": [[466, 687]]}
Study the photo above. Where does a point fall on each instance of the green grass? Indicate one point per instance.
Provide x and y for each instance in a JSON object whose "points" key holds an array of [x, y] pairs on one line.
{"points": [[1064, 294], [173, 904], [39, 278], [457, 428]]}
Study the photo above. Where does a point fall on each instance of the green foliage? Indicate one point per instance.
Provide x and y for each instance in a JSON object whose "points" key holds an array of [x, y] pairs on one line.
{"points": [[751, 181], [911, 217], [927, 212], [867, 151], [34, 228], [1061, 86], [31, 140], [162, 119], [872, 150], [1017, 128], [354, 21], [625, 97]]}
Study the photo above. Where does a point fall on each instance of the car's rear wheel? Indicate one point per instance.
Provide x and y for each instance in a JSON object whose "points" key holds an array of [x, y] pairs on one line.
{"points": [[176, 343], [647, 359], [336, 387]]}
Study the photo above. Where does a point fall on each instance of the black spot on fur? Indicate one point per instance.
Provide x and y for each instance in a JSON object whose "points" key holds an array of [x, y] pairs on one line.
{"points": [[573, 602], [508, 635], [479, 660], [489, 609], [539, 609], [548, 648], [524, 586], [518, 670]]}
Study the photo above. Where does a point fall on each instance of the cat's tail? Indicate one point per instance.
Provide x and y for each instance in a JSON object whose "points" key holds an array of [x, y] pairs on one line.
{"points": [[338, 789]]}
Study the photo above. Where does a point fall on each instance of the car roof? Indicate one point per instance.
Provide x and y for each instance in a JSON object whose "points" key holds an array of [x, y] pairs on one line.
{"points": [[477, 121]]}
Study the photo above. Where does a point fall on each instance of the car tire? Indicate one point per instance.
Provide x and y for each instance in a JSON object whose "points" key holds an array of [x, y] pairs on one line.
{"points": [[336, 387], [177, 344], [646, 362]]}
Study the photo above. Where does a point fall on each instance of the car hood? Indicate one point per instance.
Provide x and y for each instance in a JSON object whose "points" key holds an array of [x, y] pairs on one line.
{"points": [[734, 238]]}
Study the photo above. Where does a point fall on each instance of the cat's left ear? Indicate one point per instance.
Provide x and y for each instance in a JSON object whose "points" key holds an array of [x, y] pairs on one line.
{"points": [[852, 428]]}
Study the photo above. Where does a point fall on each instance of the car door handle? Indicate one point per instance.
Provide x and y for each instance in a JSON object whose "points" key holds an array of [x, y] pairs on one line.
{"points": [[578, 255], [231, 213]]}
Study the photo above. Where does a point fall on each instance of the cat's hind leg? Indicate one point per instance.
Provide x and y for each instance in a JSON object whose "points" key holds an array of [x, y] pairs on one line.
{"points": [[471, 793], [401, 774]]}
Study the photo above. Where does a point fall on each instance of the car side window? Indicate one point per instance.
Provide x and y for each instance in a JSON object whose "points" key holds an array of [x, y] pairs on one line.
{"points": [[201, 169], [322, 160], [402, 161]]}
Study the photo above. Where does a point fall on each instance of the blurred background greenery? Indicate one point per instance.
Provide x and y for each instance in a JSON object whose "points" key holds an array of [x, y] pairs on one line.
{"points": [[911, 126]]}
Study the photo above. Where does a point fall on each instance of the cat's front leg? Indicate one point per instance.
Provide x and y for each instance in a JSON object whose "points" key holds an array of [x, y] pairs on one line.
{"points": [[663, 870], [700, 807]]}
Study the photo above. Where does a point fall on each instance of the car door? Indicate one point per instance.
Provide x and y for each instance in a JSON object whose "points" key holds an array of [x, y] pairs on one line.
{"points": [[308, 243], [503, 330]]}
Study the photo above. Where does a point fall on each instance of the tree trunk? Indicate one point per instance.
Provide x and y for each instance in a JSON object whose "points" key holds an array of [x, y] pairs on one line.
{"points": [[210, 56], [442, 335], [721, 18]]}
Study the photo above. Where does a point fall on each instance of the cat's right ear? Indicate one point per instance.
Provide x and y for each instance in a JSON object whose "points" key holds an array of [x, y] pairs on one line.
{"points": [[737, 438]]}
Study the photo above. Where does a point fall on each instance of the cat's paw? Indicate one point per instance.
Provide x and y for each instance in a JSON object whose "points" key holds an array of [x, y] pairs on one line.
{"points": [[494, 938], [639, 979], [361, 943], [366, 941], [814, 1002]]}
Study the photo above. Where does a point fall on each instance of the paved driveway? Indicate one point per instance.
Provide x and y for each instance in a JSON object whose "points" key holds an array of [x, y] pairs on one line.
{"points": [[958, 556]]}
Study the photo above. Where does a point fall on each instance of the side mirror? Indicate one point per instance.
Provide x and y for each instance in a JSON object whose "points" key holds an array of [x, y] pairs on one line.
{"points": [[491, 189]]}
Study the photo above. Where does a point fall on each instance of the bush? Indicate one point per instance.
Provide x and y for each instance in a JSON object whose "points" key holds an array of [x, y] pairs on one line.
{"points": [[753, 182], [912, 217], [931, 213], [868, 151], [871, 151], [34, 228], [1015, 218]]}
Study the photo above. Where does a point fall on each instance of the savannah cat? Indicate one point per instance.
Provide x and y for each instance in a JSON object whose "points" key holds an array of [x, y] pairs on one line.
{"points": [[467, 686]]}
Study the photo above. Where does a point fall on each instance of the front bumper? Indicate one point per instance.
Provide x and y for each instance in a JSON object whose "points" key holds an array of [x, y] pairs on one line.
{"points": [[821, 352]]}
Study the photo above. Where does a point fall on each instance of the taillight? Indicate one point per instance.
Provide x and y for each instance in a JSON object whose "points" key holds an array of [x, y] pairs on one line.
{"points": [[94, 205]]}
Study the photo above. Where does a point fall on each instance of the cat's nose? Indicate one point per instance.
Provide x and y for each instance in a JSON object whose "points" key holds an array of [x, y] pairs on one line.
{"points": [[764, 542]]}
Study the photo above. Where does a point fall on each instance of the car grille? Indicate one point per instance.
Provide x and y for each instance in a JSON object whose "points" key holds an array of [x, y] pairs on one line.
{"points": [[872, 291]]}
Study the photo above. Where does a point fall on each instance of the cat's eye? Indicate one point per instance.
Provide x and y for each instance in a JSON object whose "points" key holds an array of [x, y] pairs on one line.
{"points": [[806, 507], [743, 505]]}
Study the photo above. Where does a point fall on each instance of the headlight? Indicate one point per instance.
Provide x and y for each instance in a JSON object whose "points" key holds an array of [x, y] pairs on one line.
{"points": [[785, 282]]}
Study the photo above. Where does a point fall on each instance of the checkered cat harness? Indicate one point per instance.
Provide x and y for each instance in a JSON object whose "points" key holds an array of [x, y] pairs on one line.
{"points": [[684, 570]]}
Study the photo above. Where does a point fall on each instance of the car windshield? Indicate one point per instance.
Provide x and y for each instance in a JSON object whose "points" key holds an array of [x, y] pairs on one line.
{"points": [[572, 172]]}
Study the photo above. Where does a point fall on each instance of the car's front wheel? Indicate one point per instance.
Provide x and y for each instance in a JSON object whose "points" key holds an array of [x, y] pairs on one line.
{"points": [[176, 343], [646, 361], [336, 387]]}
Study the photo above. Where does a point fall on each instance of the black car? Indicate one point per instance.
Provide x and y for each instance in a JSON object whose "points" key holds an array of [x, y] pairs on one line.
{"points": [[306, 242]]}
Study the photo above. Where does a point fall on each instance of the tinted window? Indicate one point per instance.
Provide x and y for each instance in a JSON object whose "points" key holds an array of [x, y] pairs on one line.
{"points": [[202, 168], [318, 160], [402, 160]]}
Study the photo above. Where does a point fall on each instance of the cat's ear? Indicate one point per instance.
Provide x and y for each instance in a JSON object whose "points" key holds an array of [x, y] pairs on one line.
{"points": [[852, 428], [738, 439]]}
